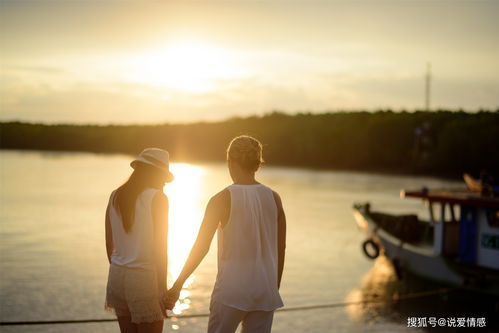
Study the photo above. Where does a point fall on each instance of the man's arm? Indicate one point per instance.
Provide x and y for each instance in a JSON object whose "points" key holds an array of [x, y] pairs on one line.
{"points": [[201, 245], [281, 238]]}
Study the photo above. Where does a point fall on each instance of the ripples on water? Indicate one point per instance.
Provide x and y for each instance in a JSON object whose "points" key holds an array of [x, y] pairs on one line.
{"points": [[54, 266]]}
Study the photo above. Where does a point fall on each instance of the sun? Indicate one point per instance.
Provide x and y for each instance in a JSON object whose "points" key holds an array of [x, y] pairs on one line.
{"points": [[187, 66]]}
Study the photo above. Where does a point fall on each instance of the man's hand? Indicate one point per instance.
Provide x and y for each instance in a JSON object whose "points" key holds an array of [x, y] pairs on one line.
{"points": [[171, 297]]}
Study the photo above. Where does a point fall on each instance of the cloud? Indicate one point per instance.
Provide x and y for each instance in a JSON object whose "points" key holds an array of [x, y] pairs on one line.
{"points": [[34, 69], [35, 94]]}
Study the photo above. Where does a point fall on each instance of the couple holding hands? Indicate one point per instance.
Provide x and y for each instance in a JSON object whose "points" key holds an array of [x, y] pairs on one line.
{"points": [[251, 226]]}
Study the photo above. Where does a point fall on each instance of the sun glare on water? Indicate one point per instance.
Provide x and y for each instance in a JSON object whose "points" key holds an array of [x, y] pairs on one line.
{"points": [[187, 66], [185, 214]]}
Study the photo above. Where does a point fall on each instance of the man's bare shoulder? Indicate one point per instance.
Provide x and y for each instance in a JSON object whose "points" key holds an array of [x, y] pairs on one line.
{"points": [[220, 199], [277, 199]]}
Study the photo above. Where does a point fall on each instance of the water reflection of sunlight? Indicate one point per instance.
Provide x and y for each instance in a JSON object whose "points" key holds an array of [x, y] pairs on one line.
{"points": [[184, 221], [379, 284]]}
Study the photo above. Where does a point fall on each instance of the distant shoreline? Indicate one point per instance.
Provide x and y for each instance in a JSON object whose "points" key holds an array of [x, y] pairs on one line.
{"points": [[253, 116], [443, 143]]}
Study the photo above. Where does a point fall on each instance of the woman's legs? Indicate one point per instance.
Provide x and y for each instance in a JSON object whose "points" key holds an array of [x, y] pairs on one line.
{"points": [[154, 327], [126, 325]]}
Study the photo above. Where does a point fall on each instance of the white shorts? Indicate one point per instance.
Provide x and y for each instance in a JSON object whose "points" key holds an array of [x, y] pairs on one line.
{"points": [[226, 319], [133, 292]]}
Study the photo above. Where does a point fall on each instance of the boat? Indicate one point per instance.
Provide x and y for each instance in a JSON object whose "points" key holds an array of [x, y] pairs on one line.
{"points": [[458, 247]]}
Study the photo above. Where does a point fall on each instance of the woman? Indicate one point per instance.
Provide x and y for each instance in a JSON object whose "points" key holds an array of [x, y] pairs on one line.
{"points": [[251, 241], [136, 243]]}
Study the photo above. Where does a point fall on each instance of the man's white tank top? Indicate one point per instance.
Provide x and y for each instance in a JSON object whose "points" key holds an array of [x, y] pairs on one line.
{"points": [[135, 248], [247, 251]]}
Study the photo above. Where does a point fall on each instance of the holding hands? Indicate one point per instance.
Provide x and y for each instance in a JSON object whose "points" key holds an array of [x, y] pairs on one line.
{"points": [[171, 297]]}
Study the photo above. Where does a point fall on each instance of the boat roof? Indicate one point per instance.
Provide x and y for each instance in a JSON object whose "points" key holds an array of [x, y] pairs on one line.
{"points": [[460, 197]]}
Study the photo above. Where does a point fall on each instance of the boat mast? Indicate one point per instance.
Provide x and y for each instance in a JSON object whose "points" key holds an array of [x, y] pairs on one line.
{"points": [[428, 86]]}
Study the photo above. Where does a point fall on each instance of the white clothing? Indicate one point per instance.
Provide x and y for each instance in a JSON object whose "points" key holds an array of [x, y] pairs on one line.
{"points": [[135, 248], [225, 319], [247, 251]]}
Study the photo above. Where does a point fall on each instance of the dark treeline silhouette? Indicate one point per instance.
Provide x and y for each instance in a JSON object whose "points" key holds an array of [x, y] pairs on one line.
{"points": [[443, 142]]}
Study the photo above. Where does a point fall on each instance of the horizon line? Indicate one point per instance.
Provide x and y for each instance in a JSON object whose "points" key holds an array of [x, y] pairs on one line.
{"points": [[256, 115]]}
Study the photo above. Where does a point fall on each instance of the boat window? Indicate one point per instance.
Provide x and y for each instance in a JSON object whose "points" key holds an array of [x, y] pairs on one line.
{"points": [[429, 205], [493, 218], [449, 213], [452, 213]]}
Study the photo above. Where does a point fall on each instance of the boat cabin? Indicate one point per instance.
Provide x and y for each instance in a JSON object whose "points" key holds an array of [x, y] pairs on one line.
{"points": [[465, 225]]}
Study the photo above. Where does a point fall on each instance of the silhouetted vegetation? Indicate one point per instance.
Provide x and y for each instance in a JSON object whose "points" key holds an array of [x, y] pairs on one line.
{"points": [[444, 142]]}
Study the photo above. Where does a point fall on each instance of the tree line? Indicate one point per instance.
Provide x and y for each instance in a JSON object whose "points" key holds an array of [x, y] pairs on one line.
{"points": [[443, 142]]}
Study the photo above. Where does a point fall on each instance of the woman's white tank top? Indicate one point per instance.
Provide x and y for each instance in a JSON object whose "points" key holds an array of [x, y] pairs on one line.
{"points": [[247, 251], [135, 248]]}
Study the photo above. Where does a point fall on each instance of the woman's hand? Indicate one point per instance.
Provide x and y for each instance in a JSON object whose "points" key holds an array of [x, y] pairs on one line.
{"points": [[171, 297], [162, 303]]}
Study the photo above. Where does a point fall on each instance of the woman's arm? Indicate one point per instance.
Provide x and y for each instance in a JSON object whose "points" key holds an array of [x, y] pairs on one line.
{"points": [[201, 245], [109, 237], [160, 223], [281, 238]]}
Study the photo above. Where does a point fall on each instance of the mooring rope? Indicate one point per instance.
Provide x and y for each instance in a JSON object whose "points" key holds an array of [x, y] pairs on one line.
{"points": [[200, 315]]}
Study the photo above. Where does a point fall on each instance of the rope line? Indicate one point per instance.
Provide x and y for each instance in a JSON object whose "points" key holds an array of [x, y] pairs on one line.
{"points": [[200, 315]]}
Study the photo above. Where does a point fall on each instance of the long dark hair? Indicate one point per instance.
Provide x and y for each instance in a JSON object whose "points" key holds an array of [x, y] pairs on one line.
{"points": [[143, 177]]}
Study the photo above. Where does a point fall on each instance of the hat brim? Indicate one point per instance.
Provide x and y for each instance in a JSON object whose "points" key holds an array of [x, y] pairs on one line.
{"points": [[169, 175]]}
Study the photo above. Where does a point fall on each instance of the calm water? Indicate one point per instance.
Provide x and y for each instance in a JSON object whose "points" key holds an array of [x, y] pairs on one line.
{"points": [[53, 263]]}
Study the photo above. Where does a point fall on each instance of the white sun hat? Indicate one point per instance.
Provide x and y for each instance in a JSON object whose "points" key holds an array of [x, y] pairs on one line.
{"points": [[156, 157]]}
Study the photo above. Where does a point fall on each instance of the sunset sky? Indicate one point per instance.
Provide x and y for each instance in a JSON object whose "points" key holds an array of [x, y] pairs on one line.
{"points": [[166, 61]]}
